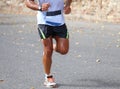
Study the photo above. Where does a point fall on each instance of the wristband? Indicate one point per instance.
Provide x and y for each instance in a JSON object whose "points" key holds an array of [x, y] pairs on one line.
{"points": [[40, 9]]}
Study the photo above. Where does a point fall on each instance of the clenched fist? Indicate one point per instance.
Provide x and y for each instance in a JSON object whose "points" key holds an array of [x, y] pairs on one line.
{"points": [[67, 9], [45, 6]]}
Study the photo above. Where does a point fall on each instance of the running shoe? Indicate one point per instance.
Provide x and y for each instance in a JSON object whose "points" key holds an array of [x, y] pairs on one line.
{"points": [[49, 82]]}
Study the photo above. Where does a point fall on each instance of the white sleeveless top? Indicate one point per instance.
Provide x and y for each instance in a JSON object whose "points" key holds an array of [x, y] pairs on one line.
{"points": [[56, 20]]}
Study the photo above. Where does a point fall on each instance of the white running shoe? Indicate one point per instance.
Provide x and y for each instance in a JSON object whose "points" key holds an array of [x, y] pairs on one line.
{"points": [[49, 82]]}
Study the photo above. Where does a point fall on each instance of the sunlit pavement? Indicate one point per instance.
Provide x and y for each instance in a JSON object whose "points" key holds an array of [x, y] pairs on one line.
{"points": [[93, 61]]}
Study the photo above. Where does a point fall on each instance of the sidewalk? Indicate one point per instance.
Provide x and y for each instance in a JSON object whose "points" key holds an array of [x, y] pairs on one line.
{"points": [[93, 61]]}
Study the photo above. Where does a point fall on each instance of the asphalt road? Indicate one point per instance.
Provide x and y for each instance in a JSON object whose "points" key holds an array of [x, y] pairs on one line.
{"points": [[93, 61]]}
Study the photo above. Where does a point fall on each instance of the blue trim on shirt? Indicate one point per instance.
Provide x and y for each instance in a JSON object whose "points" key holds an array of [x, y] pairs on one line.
{"points": [[53, 23]]}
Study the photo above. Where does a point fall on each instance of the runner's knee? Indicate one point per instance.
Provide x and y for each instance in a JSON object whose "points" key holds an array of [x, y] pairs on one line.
{"points": [[63, 51], [48, 51]]}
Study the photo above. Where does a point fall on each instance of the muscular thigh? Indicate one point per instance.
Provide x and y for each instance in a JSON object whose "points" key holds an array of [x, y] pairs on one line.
{"points": [[47, 43], [62, 44]]}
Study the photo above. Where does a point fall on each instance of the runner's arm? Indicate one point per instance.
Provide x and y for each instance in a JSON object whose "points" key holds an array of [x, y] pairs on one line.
{"points": [[67, 8], [32, 5], [68, 2]]}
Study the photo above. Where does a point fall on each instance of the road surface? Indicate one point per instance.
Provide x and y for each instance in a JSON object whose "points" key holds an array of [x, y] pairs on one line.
{"points": [[93, 61]]}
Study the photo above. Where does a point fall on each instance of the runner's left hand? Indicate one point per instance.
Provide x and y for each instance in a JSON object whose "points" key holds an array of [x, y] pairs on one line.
{"points": [[67, 9]]}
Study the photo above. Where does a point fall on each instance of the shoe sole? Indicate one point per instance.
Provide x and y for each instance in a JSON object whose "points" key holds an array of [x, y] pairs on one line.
{"points": [[51, 86]]}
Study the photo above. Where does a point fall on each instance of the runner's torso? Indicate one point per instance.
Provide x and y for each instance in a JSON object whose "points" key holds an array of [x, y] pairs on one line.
{"points": [[53, 20]]}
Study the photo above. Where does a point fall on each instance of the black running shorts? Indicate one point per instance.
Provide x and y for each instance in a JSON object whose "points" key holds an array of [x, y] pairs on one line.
{"points": [[46, 31]]}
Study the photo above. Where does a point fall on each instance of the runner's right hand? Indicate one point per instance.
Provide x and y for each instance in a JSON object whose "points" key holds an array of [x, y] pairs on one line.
{"points": [[45, 6]]}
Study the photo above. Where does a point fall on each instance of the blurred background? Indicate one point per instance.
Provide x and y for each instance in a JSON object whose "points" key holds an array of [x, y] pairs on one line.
{"points": [[93, 10]]}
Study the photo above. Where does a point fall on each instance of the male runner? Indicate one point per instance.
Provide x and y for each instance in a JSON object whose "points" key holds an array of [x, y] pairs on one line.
{"points": [[51, 25]]}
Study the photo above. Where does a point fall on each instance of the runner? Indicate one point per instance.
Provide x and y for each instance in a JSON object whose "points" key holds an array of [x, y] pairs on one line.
{"points": [[51, 25]]}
